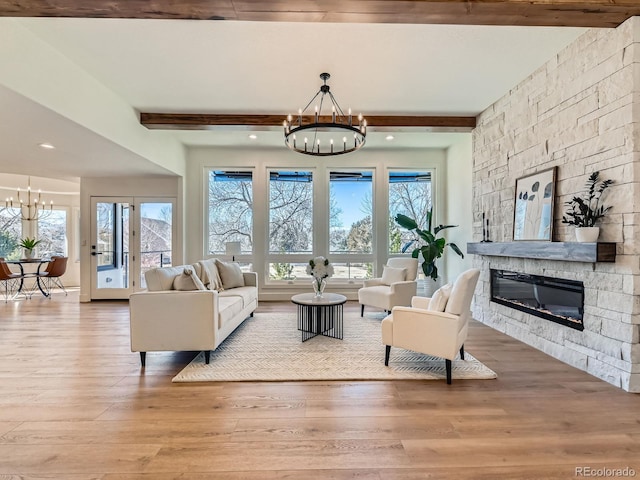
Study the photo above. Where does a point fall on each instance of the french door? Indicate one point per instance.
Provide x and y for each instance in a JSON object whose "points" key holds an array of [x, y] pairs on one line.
{"points": [[130, 235]]}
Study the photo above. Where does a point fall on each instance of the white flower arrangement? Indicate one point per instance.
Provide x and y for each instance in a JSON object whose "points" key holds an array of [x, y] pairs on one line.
{"points": [[319, 268]]}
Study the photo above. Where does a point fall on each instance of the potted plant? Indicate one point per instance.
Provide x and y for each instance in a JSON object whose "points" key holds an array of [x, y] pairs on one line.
{"points": [[585, 211], [428, 244], [28, 244]]}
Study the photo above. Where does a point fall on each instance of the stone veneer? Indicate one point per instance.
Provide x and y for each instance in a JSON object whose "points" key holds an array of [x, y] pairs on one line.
{"points": [[580, 113]]}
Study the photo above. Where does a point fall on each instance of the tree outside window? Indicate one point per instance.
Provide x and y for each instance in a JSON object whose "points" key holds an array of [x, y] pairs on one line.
{"points": [[409, 194], [290, 212], [10, 233], [230, 210]]}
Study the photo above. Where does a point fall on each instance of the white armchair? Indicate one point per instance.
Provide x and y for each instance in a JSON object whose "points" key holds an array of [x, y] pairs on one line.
{"points": [[396, 286], [433, 332]]}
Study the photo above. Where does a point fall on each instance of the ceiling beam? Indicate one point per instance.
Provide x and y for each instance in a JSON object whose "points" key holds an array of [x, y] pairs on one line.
{"points": [[573, 13], [196, 121]]}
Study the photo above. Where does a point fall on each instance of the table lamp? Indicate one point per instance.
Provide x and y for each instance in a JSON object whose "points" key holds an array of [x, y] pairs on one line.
{"points": [[233, 249]]}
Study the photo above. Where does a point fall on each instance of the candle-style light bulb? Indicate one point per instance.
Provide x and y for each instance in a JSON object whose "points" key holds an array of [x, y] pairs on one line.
{"points": [[331, 142], [300, 117], [344, 141], [305, 144], [359, 118], [333, 114], [51, 205], [350, 118], [316, 113]]}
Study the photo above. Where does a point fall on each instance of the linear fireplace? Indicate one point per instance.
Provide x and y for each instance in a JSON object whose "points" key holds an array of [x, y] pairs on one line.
{"points": [[555, 299]]}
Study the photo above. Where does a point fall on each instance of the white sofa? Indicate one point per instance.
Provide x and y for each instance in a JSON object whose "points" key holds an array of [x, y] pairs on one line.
{"points": [[165, 319]]}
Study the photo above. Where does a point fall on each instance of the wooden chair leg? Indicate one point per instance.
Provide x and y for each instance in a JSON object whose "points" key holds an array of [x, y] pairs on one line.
{"points": [[462, 352], [386, 354], [448, 365]]}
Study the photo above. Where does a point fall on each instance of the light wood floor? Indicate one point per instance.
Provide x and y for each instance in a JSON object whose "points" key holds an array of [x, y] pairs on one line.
{"points": [[75, 405]]}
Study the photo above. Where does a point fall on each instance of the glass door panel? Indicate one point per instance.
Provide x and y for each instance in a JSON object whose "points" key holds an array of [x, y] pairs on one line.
{"points": [[156, 236], [110, 254]]}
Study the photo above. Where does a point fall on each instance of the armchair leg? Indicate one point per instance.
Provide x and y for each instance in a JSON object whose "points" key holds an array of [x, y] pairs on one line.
{"points": [[386, 355], [462, 352], [362, 310], [448, 364], [143, 358], [207, 356]]}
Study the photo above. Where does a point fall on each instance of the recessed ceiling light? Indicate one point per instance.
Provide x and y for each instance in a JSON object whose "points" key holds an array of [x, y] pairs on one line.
{"points": [[389, 137], [253, 136], [47, 146]]}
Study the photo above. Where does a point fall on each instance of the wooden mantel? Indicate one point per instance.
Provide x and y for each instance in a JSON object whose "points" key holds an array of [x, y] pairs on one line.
{"points": [[565, 251]]}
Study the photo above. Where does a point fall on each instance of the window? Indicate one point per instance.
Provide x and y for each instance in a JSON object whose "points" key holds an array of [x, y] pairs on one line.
{"points": [[52, 232], [10, 233], [107, 235], [350, 212], [409, 194], [230, 211], [290, 212]]}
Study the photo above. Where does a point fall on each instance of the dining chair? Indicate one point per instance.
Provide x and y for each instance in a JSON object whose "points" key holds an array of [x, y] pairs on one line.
{"points": [[10, 281], [50, 277]]}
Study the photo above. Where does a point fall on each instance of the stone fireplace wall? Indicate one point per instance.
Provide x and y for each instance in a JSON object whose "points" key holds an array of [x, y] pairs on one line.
{"points": [[579, 112]]}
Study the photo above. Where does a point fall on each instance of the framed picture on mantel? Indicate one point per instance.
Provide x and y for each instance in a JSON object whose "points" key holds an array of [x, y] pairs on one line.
{"points": [[533, 209]]}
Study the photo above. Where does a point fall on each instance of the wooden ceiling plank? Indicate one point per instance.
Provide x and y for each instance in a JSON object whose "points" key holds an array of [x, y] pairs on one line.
{"points": [[195, 121], [580, 13]]}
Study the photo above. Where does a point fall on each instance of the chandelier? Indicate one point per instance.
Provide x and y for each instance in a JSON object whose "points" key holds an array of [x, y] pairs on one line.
{"points": [[326, 135], [30, 210]]}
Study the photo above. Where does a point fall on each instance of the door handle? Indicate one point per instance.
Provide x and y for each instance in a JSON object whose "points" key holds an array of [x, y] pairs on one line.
{"points": [[96, 253]]}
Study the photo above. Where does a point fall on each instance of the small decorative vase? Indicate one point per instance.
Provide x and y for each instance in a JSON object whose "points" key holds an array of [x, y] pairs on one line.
{"points": [[318, 287], [28, 253], [587, 234]]}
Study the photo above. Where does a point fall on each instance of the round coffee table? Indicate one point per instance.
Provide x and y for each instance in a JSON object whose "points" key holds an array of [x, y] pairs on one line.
{"points": [[320, 315]]}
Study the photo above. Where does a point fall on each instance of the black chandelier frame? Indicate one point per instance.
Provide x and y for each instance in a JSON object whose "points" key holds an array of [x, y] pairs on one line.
{"points": [[350, 137]]}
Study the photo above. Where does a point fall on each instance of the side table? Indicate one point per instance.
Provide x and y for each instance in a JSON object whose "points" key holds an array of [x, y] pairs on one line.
{"points": [[320, 315]]}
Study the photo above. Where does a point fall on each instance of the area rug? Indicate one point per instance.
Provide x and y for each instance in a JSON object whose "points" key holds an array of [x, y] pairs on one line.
{"points": [[268, 347]]}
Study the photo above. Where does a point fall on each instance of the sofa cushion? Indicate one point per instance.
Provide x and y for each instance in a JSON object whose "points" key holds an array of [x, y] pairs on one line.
{"points": [[228, 309], [248, 294], [188, 280], [230, 274], [210, 275], [440, 298], [392, 275], [162, 278]]}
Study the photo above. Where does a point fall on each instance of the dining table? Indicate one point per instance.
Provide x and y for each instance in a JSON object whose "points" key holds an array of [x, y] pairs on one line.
{"points": [[30, 261]]}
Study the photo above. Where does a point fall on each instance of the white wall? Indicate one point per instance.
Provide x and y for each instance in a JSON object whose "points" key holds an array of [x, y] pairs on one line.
{"points": [[34, 69], [458, 204]]}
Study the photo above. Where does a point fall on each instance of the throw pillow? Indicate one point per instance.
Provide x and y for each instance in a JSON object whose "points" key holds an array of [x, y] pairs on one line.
{"points": [[392, 275], [188, 280], [230, 274], [210, 274], [440, 298]]}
